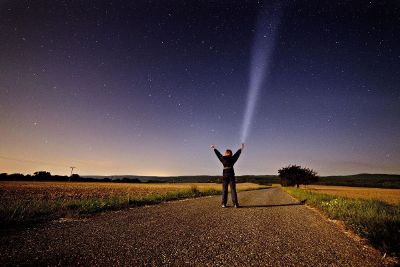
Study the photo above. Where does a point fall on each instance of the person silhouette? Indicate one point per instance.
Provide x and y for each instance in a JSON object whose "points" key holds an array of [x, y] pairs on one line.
{"points": [[228, 174]]}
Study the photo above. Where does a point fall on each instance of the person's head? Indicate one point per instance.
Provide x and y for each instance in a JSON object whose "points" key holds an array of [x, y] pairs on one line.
{"points": [[228, 153]]}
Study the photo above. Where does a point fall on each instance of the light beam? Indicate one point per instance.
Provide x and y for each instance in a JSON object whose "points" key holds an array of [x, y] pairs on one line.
{"points": [[261, 57]]}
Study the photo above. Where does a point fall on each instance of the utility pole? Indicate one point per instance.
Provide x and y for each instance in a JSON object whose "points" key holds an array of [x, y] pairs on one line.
{"points": [[72, 171]]}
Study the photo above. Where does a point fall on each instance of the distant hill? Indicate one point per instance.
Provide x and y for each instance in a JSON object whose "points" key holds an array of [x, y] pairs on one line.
{"points": [[46, 176], [158, 179], [363, 180], [360, 180], [260, 179]]}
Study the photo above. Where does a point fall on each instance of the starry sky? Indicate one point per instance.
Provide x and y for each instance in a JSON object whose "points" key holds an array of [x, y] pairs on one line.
{"points": [[145, 87]]}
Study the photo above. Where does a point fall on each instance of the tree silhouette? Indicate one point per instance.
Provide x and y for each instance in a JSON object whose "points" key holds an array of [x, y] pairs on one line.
{"points": [[296, 175]]}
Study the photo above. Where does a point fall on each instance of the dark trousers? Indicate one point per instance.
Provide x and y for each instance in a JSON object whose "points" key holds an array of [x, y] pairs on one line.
{"points": [[226, 180]]}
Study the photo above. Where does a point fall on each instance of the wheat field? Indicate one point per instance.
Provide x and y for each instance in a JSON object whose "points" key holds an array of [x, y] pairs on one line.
{"points": [[78, 190], [391, 196]]}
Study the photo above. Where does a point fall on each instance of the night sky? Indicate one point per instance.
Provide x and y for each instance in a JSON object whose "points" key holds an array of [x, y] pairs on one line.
{"points": [[145, 87]]}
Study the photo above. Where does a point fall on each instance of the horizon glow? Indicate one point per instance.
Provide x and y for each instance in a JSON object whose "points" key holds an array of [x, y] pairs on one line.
{"points": [[261, 59]]}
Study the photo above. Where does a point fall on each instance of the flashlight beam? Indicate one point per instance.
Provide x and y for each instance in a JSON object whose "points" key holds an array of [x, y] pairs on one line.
{"points": [[261, 58]]}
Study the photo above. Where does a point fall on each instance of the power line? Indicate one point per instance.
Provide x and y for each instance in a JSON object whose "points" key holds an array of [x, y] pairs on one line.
{"points": [[72, 170]]}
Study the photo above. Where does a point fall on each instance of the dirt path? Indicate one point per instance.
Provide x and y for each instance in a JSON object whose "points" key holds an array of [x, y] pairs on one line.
{"points": [[269, 230]]}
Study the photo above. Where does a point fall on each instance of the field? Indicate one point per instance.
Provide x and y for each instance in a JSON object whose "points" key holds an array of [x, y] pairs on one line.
{"points": [[25, 202], [391, 196], [376, 220]]}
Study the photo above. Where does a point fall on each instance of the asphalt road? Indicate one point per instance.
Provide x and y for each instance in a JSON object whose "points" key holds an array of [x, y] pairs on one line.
{"points": [[271, 229]]}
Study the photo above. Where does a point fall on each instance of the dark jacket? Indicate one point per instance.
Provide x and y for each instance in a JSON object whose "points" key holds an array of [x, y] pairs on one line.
{"points": [[228, 162]]}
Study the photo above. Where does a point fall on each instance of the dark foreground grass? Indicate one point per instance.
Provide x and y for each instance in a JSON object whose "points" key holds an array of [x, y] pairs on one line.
{"points": [[25, 213], [374, 220]]}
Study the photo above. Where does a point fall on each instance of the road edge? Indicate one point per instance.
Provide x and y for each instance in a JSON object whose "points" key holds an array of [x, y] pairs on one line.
{"points": [[385, 259]]}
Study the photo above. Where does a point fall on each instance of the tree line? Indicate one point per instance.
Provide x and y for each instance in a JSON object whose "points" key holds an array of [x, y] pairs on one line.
{"points": [[292, 175], [47, 176]]}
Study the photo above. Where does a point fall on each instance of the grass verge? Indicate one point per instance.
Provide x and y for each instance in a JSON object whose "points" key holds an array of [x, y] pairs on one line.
{"points": [[375, 220]]}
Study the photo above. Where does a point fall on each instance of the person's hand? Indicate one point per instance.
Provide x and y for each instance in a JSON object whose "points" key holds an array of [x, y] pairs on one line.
{"points": [[212, 146], [242, 146]]}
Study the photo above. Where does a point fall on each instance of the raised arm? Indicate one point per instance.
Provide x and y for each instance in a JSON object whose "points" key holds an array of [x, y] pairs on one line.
{"points": [[219, 155], [237, 154]]}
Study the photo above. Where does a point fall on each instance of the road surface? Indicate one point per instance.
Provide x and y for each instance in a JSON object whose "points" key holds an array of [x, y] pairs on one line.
{"points": [[271, 229]]}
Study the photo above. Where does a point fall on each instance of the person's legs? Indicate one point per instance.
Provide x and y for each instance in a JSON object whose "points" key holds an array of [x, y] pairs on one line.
{"points": [[233, 191], [225, 182]]}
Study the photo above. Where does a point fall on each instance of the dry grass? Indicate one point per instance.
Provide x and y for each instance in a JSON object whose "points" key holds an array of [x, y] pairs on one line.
{"points": [[22, 202], [391, 196]]}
